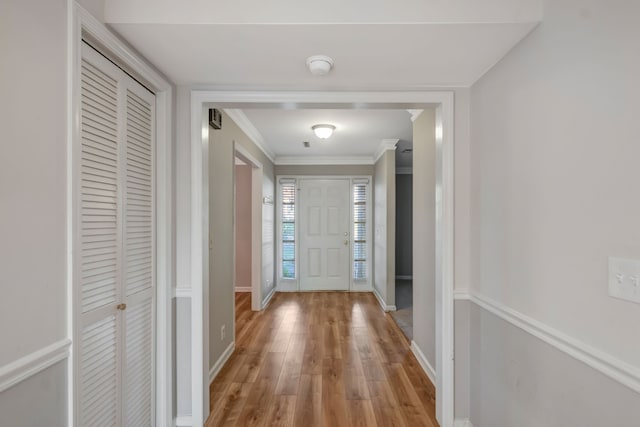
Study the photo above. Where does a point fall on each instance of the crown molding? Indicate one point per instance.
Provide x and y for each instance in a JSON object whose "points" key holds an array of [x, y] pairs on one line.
{"points": [[415, 114], [243, 122], [385, 145], [607, 364], [33, 363], [324, 160]]}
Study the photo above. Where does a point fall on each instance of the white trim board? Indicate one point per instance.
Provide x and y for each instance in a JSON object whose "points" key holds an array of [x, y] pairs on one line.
{"points": [[241, 289], [19, 370], [245, 125], [604, 363], [462, 422], [224, 357], [183, 292], [184, 421], [386, 308], [385, 145], [424, 362], [267, 300], [324, 160]]}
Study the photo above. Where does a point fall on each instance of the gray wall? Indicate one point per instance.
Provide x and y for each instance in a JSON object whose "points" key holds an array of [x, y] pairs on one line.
{"points": [[324, 170], [384, 219], [554, 192], [519, 380], [424, 234], [221, 220], [38, 401], [404, 225], [33, 307]]}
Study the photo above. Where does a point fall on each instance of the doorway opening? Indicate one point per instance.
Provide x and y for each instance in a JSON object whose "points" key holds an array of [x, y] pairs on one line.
{"points": [[248, 225], [441, 103], [404, 238]]}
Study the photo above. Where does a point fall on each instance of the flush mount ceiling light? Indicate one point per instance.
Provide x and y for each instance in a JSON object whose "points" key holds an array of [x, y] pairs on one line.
{"points": [[319, 65], [323, 131]]}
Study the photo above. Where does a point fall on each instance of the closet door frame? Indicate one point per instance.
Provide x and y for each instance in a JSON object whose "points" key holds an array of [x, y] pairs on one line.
{"points": [[82, 25]]}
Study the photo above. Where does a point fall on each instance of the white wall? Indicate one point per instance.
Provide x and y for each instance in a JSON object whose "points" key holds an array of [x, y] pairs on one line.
{"points": [[32, 176], [424, 234], [384, 232], [554, 192], [33, 39]]}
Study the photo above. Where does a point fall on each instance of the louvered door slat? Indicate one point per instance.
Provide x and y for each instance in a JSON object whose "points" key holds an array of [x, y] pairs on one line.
{"points": [[99, 370], [99, 272], [138, 268], [138, 222], [139, 364]]}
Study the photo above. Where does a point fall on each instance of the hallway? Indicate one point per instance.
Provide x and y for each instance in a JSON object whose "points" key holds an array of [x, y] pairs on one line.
{"points": [[320, 359]]}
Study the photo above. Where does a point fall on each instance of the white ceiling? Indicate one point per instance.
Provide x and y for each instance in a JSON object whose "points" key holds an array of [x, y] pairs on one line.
{"points": [[408, 44], [382, 45], [366, 56], [358, 135]]}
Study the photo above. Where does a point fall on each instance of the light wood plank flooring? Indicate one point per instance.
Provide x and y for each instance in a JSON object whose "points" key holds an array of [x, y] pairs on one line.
{"points": [[320, 359]]}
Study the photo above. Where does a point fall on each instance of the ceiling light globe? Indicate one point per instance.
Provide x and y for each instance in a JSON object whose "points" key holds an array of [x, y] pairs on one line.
{"points": [[323, 131]]}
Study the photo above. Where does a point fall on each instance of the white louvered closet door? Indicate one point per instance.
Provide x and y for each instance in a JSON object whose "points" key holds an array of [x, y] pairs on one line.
{"points": [[115, 248]]}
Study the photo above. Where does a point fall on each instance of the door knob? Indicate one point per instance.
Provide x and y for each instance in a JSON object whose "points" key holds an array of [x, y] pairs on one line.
{"points": [[121, 306]]}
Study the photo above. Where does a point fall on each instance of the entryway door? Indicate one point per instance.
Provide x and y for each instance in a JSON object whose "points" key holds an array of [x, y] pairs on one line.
{"points": [[324, 234], [114, 257]]}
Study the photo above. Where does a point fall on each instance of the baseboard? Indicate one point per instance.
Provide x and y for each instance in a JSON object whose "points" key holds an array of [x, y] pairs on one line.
{"points": [[287, 286], [383, 304], [215, 369], [267, 300], [404, 277], [424, 363], [463, 422], [612, 367], [33, 363], [183, 421], [243, 289]]}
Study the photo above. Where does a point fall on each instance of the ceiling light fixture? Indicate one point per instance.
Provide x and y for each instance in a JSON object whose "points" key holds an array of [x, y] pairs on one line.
{"points": [[323, 131], [319, 65]]}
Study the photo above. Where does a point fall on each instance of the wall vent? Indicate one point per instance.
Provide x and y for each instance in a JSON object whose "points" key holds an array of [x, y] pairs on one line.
{"points": [[215, 118]]}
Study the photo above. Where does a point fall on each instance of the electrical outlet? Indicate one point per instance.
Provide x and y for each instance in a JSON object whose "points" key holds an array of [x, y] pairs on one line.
{"points": [[624, 279], [223, 332]]}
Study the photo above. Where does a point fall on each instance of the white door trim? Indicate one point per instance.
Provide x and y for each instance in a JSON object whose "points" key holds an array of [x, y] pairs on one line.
{"points": [[82, 22], [443, 101], [292, 285], [256, 226]]}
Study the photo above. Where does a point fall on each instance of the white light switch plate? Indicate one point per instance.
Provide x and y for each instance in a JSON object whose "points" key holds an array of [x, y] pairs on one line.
{"points": [[624, 279]]}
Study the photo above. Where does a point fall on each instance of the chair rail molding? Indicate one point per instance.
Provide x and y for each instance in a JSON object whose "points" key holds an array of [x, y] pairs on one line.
{"points": [[19, 370], [605, 363]]}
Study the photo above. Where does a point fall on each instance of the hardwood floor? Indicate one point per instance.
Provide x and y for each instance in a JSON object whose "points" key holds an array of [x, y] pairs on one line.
{"points": [[320, 359]]}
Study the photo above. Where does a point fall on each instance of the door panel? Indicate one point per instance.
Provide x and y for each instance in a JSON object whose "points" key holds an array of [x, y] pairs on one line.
{"points": [[324, 240], [115, 263]]}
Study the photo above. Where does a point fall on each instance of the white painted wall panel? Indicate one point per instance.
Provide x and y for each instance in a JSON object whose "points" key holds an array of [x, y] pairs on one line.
{"points": [[554, 192], [32, 177]]}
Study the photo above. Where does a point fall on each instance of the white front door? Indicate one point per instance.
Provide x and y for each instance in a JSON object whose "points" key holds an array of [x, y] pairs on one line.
{"points": [[324, 234]]}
